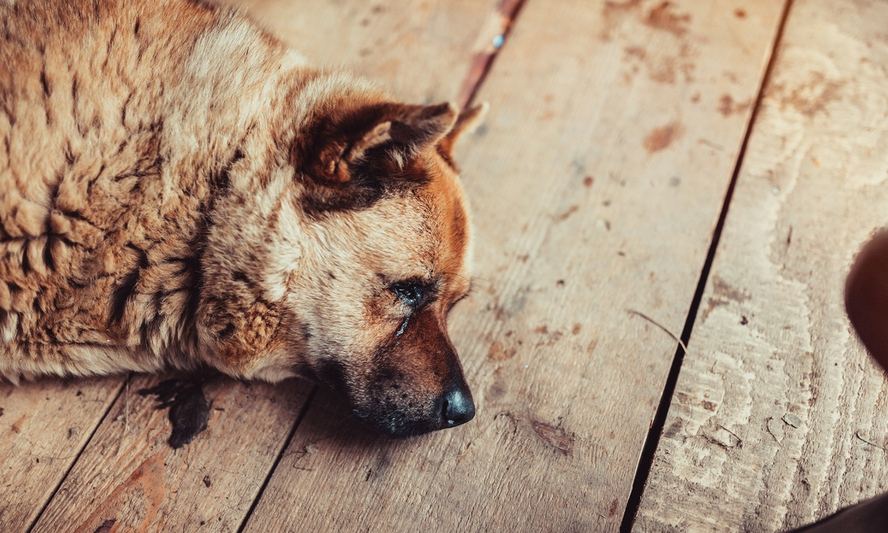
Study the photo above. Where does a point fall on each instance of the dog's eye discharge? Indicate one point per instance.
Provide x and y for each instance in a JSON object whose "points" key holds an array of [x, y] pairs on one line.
{"points": [[412, 293]]}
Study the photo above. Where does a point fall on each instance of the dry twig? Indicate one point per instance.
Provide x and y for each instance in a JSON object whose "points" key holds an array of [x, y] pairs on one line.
{"points": [[660, 326]]}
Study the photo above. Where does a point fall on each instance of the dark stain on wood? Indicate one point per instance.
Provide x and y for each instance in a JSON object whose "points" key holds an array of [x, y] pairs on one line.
{"points": [[554, 436], [723, 294], [561, 217], [811, 97], [660, 138], [727, 106], [16, 426], [106, 526], [664, 18], [673, 429], [189, 410], [612, 14], [722, 288], [498, 352], [497, 388], [614, 508]]}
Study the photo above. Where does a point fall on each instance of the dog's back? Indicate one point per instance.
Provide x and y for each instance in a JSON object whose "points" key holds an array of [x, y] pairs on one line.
{"points": [[93, 96]]}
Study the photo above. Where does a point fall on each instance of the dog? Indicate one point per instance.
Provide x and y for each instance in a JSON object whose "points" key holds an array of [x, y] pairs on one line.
{"points": [[180, 190]]}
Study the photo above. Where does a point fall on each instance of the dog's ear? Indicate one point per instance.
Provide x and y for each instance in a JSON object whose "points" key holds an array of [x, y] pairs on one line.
{"points": [[866, 297], [467, 121], [374, 136]]}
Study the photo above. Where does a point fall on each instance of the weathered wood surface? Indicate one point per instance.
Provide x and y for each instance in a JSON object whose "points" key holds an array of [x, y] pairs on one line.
{"points": [[127, 475], [43, 427], [421, 49], [130, 478], [596, 185], [779, 415]]}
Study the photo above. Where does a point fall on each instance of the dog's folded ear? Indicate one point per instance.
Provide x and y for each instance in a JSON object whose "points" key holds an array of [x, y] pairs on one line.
{"points": [[379, 136]]}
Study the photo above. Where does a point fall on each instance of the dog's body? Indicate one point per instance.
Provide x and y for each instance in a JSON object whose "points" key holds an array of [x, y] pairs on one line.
{"points": [[178, 189]]}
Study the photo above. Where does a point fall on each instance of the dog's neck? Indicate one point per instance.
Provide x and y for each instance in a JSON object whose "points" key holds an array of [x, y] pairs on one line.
{"points": [[252, 176], [236, 180]]}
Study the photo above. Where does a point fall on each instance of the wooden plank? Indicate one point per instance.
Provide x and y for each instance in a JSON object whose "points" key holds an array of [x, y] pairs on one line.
{"points": [[779, 415], [418, 48], [128, 474], [43, 427], [130, 478], [596, 186]]}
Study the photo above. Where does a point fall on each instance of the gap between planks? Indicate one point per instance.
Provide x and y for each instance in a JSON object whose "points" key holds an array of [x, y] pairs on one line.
{"points": [[492, 40], [277, 459], [116, 396], [652, 440]]}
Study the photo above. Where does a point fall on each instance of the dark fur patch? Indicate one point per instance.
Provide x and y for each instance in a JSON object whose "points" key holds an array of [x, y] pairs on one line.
{"points": [[372, 181], [374, 176], [47, 254], [332, 374], [47, 91], [192, 267], [226, 332], [26, 263], [126, 289], [222, 178], [205, 4], [241, 277]]}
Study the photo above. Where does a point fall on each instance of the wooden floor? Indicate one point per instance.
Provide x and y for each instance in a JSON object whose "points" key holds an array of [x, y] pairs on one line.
{"points": [[650, 171]]}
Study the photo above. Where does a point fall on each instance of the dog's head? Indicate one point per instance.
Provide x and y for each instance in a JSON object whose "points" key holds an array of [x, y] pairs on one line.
{"points": [[357, 245]]}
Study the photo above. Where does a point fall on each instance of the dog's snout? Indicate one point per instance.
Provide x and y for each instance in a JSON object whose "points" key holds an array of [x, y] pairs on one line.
{"points": [[458, 407]]}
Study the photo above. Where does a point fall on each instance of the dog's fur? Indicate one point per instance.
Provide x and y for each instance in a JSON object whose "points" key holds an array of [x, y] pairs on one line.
{"points": [[178, 189]]}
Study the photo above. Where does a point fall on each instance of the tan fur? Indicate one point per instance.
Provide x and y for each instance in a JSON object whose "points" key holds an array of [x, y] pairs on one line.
{"points": [[172, 195]]}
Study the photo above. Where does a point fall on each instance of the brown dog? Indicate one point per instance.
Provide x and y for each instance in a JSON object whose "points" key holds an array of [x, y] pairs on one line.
{"points": [[178, 189]]}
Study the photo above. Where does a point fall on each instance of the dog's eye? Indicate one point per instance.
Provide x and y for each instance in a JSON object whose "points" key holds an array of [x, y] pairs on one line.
{"points": [[412, 293]]}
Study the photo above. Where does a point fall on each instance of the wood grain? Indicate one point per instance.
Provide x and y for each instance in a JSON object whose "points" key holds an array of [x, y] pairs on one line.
{"points": [[596, 186], [779, 416], [43, 427], [129, 477], [421, 49]]}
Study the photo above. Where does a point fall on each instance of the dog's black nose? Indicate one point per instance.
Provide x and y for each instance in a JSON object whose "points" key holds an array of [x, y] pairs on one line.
{"points": [[458, 407]]}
